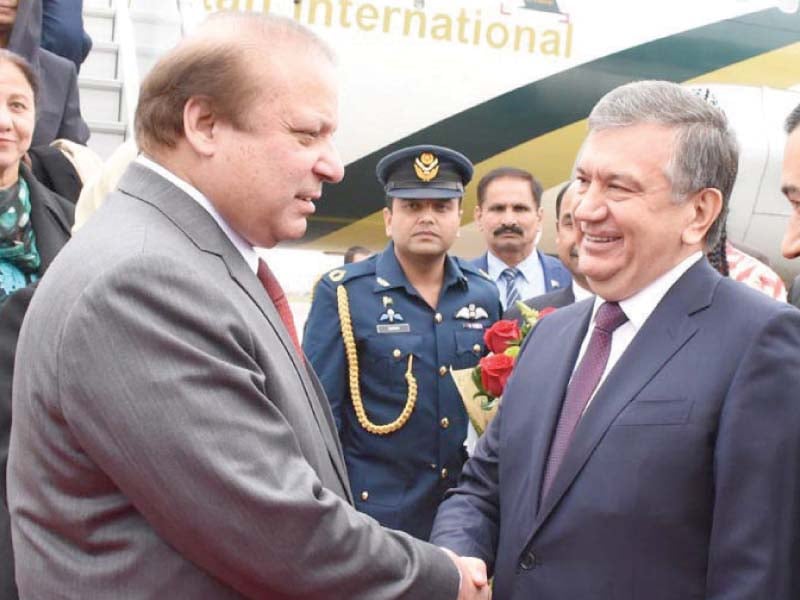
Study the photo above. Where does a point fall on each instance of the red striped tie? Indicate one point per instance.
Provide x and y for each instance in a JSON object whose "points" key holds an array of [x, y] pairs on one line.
{"points": [[278, 297]]}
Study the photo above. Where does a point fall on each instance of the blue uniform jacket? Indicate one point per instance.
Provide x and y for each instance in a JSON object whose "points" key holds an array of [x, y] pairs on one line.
{"points": [[400, 478]]}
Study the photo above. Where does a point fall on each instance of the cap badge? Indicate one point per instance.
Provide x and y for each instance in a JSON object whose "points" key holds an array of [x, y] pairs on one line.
{"points": [[426, 166]]}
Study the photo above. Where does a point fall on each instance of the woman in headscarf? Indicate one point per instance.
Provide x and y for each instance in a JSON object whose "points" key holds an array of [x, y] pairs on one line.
{"points": [[34, 225]]}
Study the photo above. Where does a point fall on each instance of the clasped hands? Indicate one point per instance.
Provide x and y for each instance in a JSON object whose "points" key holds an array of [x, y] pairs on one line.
{"points": [[474, 580]]}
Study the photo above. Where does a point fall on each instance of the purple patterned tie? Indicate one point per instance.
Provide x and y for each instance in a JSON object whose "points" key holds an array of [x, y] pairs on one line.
{"points": [[584, 381]]}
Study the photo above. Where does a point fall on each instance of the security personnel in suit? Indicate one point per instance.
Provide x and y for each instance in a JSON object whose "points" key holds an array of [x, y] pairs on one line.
{"points": [[383, 334]]}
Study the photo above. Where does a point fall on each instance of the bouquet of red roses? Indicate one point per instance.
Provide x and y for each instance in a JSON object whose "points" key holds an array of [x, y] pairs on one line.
{"points": [[482, 386]]}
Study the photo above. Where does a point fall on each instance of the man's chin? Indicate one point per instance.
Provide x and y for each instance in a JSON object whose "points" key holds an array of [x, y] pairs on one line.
{"points": [[502, 246], [791, 250]]}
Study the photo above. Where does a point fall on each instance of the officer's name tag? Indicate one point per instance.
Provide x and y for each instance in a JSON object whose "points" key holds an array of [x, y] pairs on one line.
{"points": [[472, 325], [393, 328]]}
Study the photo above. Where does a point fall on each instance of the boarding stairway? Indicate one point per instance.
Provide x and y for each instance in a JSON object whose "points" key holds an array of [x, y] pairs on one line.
{"points": [[129, 36]]}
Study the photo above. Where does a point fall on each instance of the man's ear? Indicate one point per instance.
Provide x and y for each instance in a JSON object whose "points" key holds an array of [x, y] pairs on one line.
{"points": [[476, 216], [200, 125], [387, 221], [705, 206]]}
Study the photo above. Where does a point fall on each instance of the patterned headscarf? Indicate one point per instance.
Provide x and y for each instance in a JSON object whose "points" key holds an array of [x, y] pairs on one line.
{"points": [[19, 258]]}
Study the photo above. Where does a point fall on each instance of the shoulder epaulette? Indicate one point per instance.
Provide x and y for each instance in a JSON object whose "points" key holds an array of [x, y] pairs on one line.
{"points": [[350, 271]]}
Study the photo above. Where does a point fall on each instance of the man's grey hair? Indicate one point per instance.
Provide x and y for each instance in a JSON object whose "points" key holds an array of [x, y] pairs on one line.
{"points": [[705, 155], [793, 120], [216, 61]]}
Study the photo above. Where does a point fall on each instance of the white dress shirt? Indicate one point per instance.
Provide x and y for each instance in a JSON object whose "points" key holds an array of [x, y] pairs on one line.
{"points": [[530, 282], [245, 249], [638, 309]]}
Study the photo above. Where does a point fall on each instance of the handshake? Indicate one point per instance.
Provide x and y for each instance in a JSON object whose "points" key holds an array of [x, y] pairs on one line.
{"points": [[474, 581]]}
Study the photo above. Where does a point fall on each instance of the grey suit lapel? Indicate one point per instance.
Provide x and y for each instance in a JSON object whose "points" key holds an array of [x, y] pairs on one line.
{"points": [[339, 457], [667, 330], [199, 226]]}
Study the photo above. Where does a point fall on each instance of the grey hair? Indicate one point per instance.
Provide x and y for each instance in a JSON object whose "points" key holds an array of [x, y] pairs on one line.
{"points": [[216, 62], [793, 120], [705, 154]]}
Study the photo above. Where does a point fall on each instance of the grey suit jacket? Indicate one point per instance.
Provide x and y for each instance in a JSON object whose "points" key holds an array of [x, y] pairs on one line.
{"points": [[169, 443]]}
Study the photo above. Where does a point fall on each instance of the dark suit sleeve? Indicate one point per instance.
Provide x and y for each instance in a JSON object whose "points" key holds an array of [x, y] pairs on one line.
{"points": [[754, 548], [182, 406], [323, 345], [12, 312], [468, 521], [73, 127]]}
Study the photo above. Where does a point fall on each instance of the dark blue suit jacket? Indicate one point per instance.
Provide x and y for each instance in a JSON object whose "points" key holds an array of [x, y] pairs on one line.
{"points": [[682, 478], [556, 275]]}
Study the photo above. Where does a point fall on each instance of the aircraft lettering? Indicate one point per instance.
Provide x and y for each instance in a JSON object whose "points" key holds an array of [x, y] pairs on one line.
{"points": [[464, 27]]}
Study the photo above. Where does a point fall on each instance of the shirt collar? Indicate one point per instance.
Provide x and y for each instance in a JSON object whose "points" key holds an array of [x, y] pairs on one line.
{"points": [[245, 249], [642, 304], [388, 270], [530, 268]]}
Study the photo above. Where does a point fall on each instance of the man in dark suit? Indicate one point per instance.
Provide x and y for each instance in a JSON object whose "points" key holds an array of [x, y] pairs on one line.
{"points": [[791, 188], [509, 214], [567, 249], [169, 439], [631, 457]]}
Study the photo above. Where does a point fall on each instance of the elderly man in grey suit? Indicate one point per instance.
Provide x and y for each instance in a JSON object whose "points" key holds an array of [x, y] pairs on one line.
{"points": [[169, 439]]}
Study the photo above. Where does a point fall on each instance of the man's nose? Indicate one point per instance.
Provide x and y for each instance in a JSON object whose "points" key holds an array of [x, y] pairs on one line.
{"points": [[509, 216], [590, 204], [427, 212], [329, 167], [790, 247]]}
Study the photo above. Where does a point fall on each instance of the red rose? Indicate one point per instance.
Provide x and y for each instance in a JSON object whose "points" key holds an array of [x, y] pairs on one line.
{"points": [[500, 335], [546, 311], [495, 371]]}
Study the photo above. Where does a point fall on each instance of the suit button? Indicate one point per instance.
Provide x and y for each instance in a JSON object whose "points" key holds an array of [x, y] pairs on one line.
{"points": [[476, 348], [445, 422], [442, 370], [444, 473], [528, 561], [437, 317], [396, 353], [365, 495]]}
